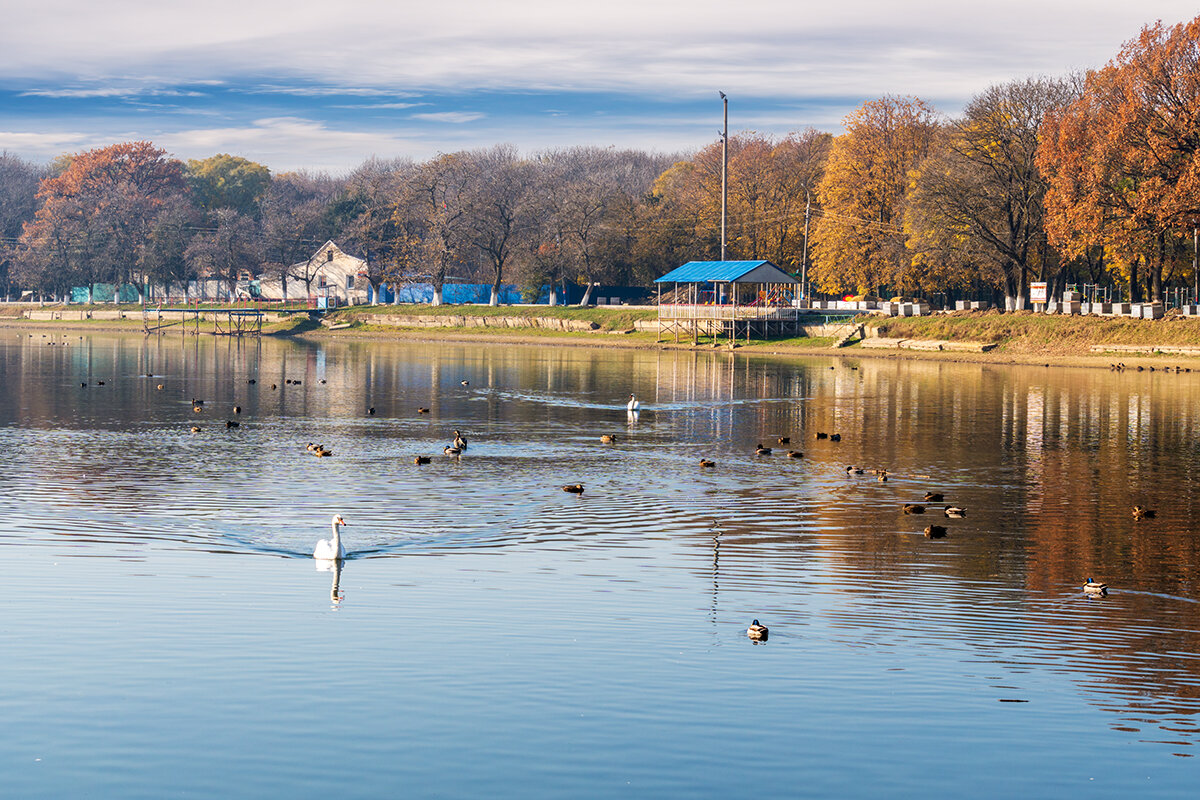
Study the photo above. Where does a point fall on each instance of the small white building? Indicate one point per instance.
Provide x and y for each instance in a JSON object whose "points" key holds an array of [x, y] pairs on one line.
{"points": [[333, 274]]}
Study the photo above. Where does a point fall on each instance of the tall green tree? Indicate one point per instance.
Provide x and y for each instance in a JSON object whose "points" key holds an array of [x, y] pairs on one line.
{"points": [[225, 181]]}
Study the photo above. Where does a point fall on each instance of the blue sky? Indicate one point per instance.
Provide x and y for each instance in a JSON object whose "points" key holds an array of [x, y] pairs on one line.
{"points": [[325, 86]]}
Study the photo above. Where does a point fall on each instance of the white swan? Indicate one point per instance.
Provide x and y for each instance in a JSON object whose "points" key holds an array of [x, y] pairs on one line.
{"points": [[331, 549], [633, 404]]}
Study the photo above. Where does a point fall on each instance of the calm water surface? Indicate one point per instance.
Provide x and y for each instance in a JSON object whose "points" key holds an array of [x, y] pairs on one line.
{"points": [[167, 634]]}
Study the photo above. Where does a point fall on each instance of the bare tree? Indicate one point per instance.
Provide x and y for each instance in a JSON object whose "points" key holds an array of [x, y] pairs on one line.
{"points": [[978, 200], [19, 182], [231, 249], [295, 223], [494, 204], [436, 199], [382, 216]]}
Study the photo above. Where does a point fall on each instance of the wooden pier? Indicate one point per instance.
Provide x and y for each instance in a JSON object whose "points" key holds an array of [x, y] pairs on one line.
{"points": [[226, 321]]}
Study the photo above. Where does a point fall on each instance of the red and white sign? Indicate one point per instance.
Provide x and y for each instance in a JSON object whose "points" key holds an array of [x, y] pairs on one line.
{"points": [[1037, 293]]}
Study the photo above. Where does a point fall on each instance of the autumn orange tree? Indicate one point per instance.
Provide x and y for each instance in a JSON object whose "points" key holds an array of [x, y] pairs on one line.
{"points": [[1123, 161], [96, 216], [858, 238]]}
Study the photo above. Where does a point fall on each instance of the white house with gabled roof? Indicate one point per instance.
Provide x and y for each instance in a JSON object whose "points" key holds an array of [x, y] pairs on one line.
{"points": [[333, 273]]}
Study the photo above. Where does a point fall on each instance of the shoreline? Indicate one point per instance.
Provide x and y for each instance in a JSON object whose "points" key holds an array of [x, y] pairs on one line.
{"points": [[599, 339]]}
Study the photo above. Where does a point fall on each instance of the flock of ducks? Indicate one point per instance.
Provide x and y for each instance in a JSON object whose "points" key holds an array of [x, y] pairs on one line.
{"points": [[332, 549], [1120, 367]]}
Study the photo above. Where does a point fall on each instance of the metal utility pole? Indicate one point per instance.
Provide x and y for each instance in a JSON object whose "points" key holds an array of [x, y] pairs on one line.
{"points": [[804, 262], [724, 170]]}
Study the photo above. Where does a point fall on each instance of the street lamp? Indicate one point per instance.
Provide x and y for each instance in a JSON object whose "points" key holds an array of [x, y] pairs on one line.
{"points": [[724, 169]]}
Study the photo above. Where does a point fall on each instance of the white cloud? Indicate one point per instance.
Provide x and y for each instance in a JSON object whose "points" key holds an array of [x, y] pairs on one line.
{"points": [[373, 106], [455, 117], [782, 48], [44, 146]]}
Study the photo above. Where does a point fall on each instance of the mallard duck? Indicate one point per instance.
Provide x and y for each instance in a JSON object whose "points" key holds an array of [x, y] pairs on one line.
{"points": [[274, 386], [794, 454], [459, 441], [251, 382], [835, 437], [310, 447], [422, 459], [784, 440], [83, 385], [935, 532], [198, 409], [451, 451], [195, 429], [321, 452], [757, 630], [704, 462], [913, 508], [1091, 587], [323, 381], [955, 512], [422, 410], [933, 497], [237, 409], [160, 387], [822, 436], [883, 477], [99, 383], [465, 383], [574, 488], [854, 470], [231, 424], [295, 383], [762, 451], [1142, 513], [608, 438], [371, 411]]}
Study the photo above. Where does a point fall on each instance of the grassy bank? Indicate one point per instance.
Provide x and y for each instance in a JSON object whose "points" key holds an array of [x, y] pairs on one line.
{"points": [[1019, 337], [1050, 334]]}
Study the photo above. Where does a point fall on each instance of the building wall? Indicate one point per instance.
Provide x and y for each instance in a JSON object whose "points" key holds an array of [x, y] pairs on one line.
{"points": [[335, 274]]}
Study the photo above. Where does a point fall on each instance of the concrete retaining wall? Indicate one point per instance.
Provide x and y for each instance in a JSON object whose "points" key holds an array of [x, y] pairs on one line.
{"points": [[464, 321]]}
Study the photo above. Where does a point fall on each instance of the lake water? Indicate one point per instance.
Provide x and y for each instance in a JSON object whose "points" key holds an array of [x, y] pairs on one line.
{"points": [[166, 633]]}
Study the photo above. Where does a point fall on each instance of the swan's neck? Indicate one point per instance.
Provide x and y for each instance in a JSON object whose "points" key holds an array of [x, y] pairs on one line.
{"points": [[337, 537]]}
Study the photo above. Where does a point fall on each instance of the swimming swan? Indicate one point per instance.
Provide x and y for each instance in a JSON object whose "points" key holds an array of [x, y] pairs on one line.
{"points": [[331, 549], [633, 404]]}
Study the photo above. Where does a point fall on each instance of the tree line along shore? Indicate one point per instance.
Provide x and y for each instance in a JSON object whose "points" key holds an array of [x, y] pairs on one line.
{"points": [[1091, 180]]}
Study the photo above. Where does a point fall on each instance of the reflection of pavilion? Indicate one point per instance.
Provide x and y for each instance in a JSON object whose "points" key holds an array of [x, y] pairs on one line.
{"points": [[728, 298]]}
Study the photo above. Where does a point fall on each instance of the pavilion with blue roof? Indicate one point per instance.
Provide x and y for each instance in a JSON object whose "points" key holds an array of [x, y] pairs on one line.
{"points": [[727, 298]]}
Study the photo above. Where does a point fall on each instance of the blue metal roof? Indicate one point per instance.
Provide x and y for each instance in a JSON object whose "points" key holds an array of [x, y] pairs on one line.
{"points": [[721, 271]]}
